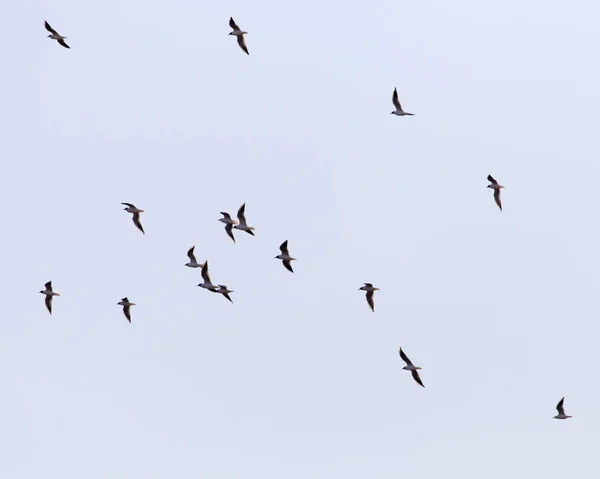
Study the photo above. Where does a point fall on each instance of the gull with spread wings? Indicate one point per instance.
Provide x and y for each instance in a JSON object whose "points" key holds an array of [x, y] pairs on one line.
{"points": [[135, 215], [368, 287], [285, 257], [49, 295], [243, 226], [55, 36], [237, 32], [411, 367], [398, 111], [496, 187]]}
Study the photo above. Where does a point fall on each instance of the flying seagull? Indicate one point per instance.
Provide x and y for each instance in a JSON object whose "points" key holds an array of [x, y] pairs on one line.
{"points": [[368, 287], [285, 256], [49, 294], [126, 305], [207, 283], [229, 222], [239, 34], [496, 187], [561, 410], [242, 218], [398, 111], [55, 36], [411, 367], [136, 215], [193, 263], [222, 289]]}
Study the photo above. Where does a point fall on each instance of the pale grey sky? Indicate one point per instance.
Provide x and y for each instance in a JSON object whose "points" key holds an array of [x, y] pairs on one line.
{"points": [[156, 105]]}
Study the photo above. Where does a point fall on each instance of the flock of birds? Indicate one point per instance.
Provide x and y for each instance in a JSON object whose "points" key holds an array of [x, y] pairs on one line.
{"points": [[241, 225]]}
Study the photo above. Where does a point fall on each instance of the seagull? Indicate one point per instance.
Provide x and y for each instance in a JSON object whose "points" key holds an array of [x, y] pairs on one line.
{"points": [[239, 34], [136, 215], [285, 256], [242, 217], [561, 410], [224, 291], [398, 111], [207, 284], [368, 287], [496, 187], [49, 293], [126, 305], [55, 36], [228, 224], [193, 263], [411, 367]]}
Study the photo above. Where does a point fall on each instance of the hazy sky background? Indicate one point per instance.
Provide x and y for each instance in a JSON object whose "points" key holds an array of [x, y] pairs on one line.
{"points": [[156, 105]]}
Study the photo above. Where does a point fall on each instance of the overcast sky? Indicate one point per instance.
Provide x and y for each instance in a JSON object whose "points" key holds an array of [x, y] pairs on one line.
{"points": [[154, 104]]}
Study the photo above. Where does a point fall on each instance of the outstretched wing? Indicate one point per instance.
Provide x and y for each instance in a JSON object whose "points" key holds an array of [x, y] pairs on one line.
{"points": [[497, 198], [416, 377], [62, 42], [49, 28], [492, 180], [241, 214], [191, 256], [242, 43], [370, 300], [136, 221], [284, 248], [288, 265], [405, 358], [396, 101], [560, 408], [233, 25], [48, 302], [205, 275], [229, 230]]}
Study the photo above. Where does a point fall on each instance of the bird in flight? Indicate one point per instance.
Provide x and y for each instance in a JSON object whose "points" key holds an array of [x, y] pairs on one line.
{"points": [[229, 222], [368, 287], [239, 34], [135, 215], [285, 257], [398, 111], [49, 295], [55, 36], [126, 305], [207, 283], [193, 263], [411, 367], [561, 410], [243, 226], [496, 187]]}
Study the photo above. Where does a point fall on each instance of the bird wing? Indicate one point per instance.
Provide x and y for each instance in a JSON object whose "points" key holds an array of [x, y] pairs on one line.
{"points": [[48, 286], [62, 42], [396, 101], [416, 377], [227, 296], [49, 28], [136, 221], [241, 215], [492, 180], [126, 312], [242, 43], [233, 25], [129, 204], [48, 302], [229, 230], [369, 285], [497, 198], [405, 358], [370, 300], [226, 215], [283, 248], [559, 406], [205, 275], [288, 265], [191, 256]]}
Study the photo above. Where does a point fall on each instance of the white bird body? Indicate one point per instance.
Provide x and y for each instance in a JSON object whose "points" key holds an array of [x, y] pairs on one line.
{"points": [[192, 262], [411, 368], [398, 111]]}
